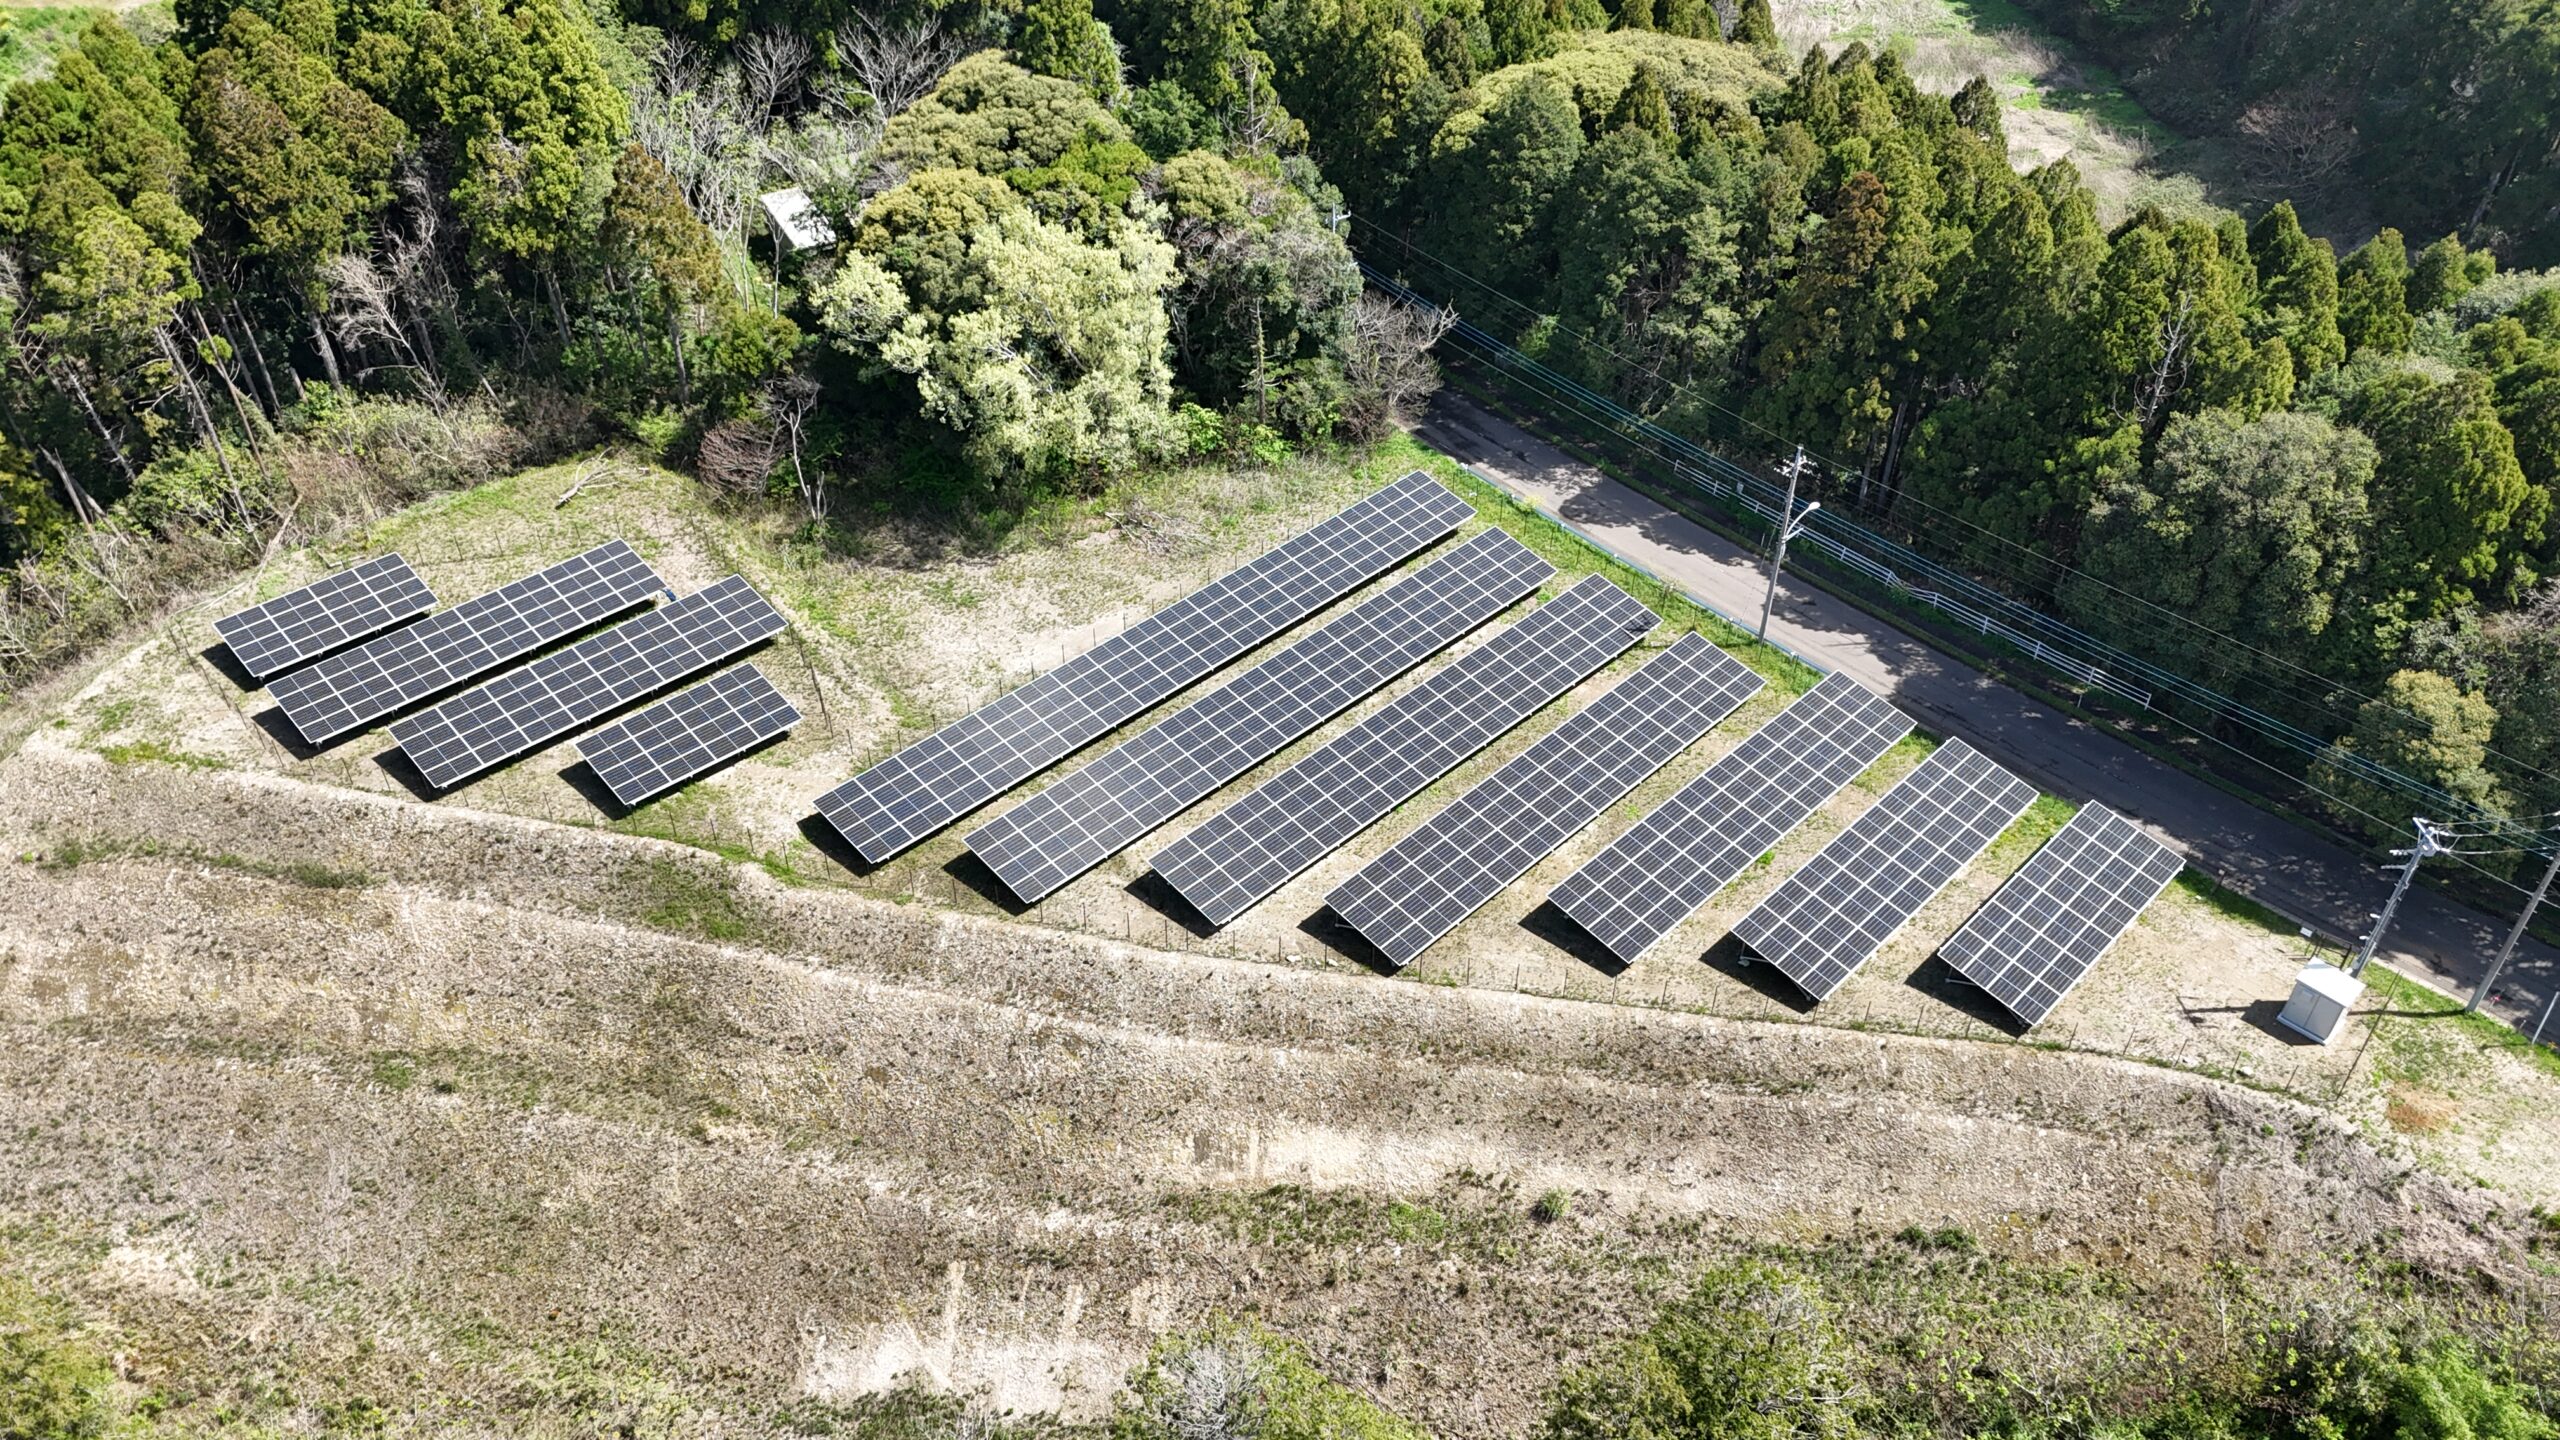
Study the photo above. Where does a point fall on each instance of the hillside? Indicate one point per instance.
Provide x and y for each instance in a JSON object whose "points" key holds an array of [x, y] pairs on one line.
{"points": [[499, 1114]]}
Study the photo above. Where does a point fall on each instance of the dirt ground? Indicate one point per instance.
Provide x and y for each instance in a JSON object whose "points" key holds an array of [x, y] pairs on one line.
{"points": [[2053, 105], [308, 1074]]}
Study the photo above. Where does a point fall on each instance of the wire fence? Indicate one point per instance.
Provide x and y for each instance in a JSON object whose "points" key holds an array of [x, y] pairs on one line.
{"points": [[1899, 577]]}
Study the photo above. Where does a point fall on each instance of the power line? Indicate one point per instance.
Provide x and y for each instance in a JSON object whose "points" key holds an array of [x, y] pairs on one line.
{"points": [[2483, 825], [2058, 569]]}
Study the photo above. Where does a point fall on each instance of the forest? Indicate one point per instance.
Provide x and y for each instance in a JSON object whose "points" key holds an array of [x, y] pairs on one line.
{"points": [[303, 259], [2447, 115]]}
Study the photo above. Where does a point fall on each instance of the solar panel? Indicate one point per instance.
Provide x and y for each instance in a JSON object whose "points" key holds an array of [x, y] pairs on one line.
{"points": [[351, 690], [533, 705], [1463, 856], [1674, 860], [324, 615], [1138, 785], [682, 736], [1823, 921], [965, 764], [1251, 848], [2050, 922]]}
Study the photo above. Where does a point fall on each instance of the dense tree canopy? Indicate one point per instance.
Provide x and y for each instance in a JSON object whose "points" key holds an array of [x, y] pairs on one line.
{"points": [[1073, 236], [2249, 527]]}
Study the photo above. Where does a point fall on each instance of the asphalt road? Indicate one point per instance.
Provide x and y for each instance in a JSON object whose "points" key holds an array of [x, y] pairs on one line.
{"points": [[2282, 865]]}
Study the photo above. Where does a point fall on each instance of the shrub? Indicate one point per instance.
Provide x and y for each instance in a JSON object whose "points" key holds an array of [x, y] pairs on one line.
{"points": [[1238, 1381]]}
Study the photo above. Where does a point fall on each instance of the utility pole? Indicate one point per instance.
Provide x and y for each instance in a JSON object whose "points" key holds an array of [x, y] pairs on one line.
{"points": [[1789, 524], [2428, 845], [2515, 936]]}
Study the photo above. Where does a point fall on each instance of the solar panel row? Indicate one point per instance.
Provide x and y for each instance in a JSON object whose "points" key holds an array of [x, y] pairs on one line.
{"points": [[535, 704], [1131, 789], [325, 614], [2050, 922], [965, 764], [1823, 921], [685, 735], [1675, 859], [1243, 853], [351, 690], [1463, 856]]}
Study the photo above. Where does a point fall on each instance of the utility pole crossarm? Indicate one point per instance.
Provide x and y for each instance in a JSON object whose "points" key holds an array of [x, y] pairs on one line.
{"points": [[2429, 844]]}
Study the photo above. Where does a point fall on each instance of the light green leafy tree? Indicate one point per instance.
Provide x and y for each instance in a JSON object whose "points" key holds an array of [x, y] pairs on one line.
{"points": [[2443, 273], [2426, 727], [1266, 294], [2514, 660], [1044, 353]]}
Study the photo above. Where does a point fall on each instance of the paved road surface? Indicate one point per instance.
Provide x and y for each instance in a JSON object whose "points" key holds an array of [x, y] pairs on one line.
{"points": [[2280, 864]]}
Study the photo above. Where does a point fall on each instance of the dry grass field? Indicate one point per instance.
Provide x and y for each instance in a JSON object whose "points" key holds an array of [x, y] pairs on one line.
{"points": [[498, 1112]]}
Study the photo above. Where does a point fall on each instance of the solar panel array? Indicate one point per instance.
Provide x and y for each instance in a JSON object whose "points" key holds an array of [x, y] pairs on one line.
{"points": [[1243, 853], [682, 736], [351, 690], [1674, 860], [1822, 922], [965, 764], [1463, 856], [325, 614], [535, 704], [1131, 789], [2051, 921]]}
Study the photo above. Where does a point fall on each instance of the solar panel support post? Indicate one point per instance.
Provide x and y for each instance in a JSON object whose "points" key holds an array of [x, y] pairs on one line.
{"points": [[1790, 524], [2428, 845], [2515, 936]]}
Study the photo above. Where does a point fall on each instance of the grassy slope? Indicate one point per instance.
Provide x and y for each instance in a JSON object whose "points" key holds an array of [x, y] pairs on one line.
{"points": [[32, 34], [2059, 105]]}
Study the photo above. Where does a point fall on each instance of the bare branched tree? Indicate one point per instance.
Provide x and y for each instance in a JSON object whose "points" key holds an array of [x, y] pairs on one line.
{"points": [[2156, 391], [415, 255], [2297, 144], [364, 314], [895, 64], [789, 401], [695, 120], [771, 65], [1388, 361]]}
